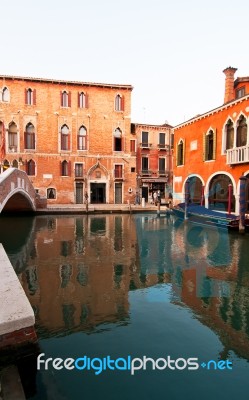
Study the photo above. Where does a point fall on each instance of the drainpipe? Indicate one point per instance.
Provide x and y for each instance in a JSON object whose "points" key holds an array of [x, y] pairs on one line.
{"points": [[229, 198]]}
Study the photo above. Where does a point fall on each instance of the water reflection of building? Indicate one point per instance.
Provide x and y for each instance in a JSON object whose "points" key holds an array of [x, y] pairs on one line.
{"points": [[80, 275], [82, 269], [208, 271]]}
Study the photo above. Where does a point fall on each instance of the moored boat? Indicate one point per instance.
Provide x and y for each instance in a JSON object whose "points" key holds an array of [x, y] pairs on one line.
{"points": [[201, 215]]}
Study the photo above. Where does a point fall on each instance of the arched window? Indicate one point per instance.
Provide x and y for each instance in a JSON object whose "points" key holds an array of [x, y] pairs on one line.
{"points": [[241, 137], [119, 103], [229, 129], [51, 193], [82, 100], [29, 137], [65, 168], [5, 95], [117, 140], [15, 164], [30, 96], [65, 99], [12, 137], [65, 138], [6, 165], [82, 138], [209, 146], [30, 167], [180, 153]]}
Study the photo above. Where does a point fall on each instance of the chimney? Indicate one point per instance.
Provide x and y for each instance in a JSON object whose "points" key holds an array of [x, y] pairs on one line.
{"points": [[229, 84]]}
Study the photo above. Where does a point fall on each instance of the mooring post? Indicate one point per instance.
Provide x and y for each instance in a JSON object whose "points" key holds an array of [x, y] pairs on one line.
{"points": [[230, 187], [187, 197], [242, 203], [202, 195]]}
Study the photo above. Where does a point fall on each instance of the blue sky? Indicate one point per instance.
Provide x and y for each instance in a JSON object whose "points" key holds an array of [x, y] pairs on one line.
{"points": [[172, 52]]}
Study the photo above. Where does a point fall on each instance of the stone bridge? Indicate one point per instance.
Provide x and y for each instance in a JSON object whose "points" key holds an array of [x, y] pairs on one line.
{"points": [[17, 193]]}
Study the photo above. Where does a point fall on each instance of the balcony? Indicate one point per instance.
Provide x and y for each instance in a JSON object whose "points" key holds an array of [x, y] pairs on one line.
{"points": [[145, 145], [146, 172], [163, 147], [238, 155]]}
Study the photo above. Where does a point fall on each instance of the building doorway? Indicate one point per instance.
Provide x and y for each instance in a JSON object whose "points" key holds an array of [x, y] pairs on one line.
{"points": [[145, 193], [118, 193], [98, 193], [79, 192], [218, 193]]}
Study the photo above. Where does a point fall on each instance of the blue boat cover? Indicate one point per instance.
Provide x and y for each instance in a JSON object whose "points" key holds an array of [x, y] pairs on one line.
{"points": [[201, 210]]}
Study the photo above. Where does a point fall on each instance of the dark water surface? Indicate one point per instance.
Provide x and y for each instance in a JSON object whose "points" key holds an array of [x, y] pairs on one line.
{"points": [[138, 286]]}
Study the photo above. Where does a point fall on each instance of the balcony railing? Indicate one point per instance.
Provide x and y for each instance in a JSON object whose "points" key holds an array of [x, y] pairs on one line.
{"points": [[238, 156], [146, 172], [162, 146], [145, 145]]}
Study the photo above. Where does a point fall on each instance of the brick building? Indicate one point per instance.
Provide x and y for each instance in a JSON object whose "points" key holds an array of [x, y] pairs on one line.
{"points": [[212, 149], [154, 159], [70, 138]]}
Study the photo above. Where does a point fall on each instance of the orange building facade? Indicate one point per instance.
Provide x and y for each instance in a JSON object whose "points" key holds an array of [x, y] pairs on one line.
{"points": [[212, 150], [154, 159], [72, 138]]}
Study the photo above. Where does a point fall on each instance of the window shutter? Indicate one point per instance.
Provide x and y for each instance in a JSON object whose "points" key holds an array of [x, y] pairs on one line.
{"points": [[177, 154], [183, 152], [25, 140], [86, 100], [68, 141], [26, 96], [122, 103], [204, 140], [214, 143], [61, 96], [34, 97], [69, 99], [78, 100], [69, 168]]}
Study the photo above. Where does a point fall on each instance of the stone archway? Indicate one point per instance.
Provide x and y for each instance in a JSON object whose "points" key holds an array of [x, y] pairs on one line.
{"points": [[98, 184], [195, 189], [218, 192]]}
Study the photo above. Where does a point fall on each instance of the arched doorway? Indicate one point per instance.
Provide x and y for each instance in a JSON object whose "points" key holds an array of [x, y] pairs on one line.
{"points": [[219, 191], [247, 193], [195, 189]]}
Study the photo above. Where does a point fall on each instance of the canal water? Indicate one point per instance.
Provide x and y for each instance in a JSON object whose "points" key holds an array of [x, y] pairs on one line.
{"points": [[142, 306]]}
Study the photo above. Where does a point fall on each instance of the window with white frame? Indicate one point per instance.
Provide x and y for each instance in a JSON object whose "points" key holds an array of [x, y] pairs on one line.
{"points": [[12, 137], [65, 138], [241, 133], [5, 95], [82, 138], [78, 170], [29, 137]]}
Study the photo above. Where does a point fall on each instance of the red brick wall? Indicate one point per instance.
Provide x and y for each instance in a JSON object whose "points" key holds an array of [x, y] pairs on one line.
{"points": [[47, 115]]}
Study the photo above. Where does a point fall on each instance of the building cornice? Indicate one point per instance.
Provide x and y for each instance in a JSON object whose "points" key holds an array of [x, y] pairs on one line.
{"points": [[65, 82], [212, 112]]}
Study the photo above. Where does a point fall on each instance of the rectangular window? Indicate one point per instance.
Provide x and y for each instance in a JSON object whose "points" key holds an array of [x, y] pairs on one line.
{"points": [[161, 165], [145, 164], [79, 170], [161, 140], [240, 92], [118, 171], [133, 146], [145, 139]]}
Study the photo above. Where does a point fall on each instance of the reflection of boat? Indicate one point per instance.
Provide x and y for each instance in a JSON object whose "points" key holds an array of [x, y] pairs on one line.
{"points": [[201, 215]]}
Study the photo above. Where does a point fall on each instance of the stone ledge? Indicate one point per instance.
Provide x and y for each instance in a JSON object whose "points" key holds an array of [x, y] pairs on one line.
{"points": [[16, 312]]}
